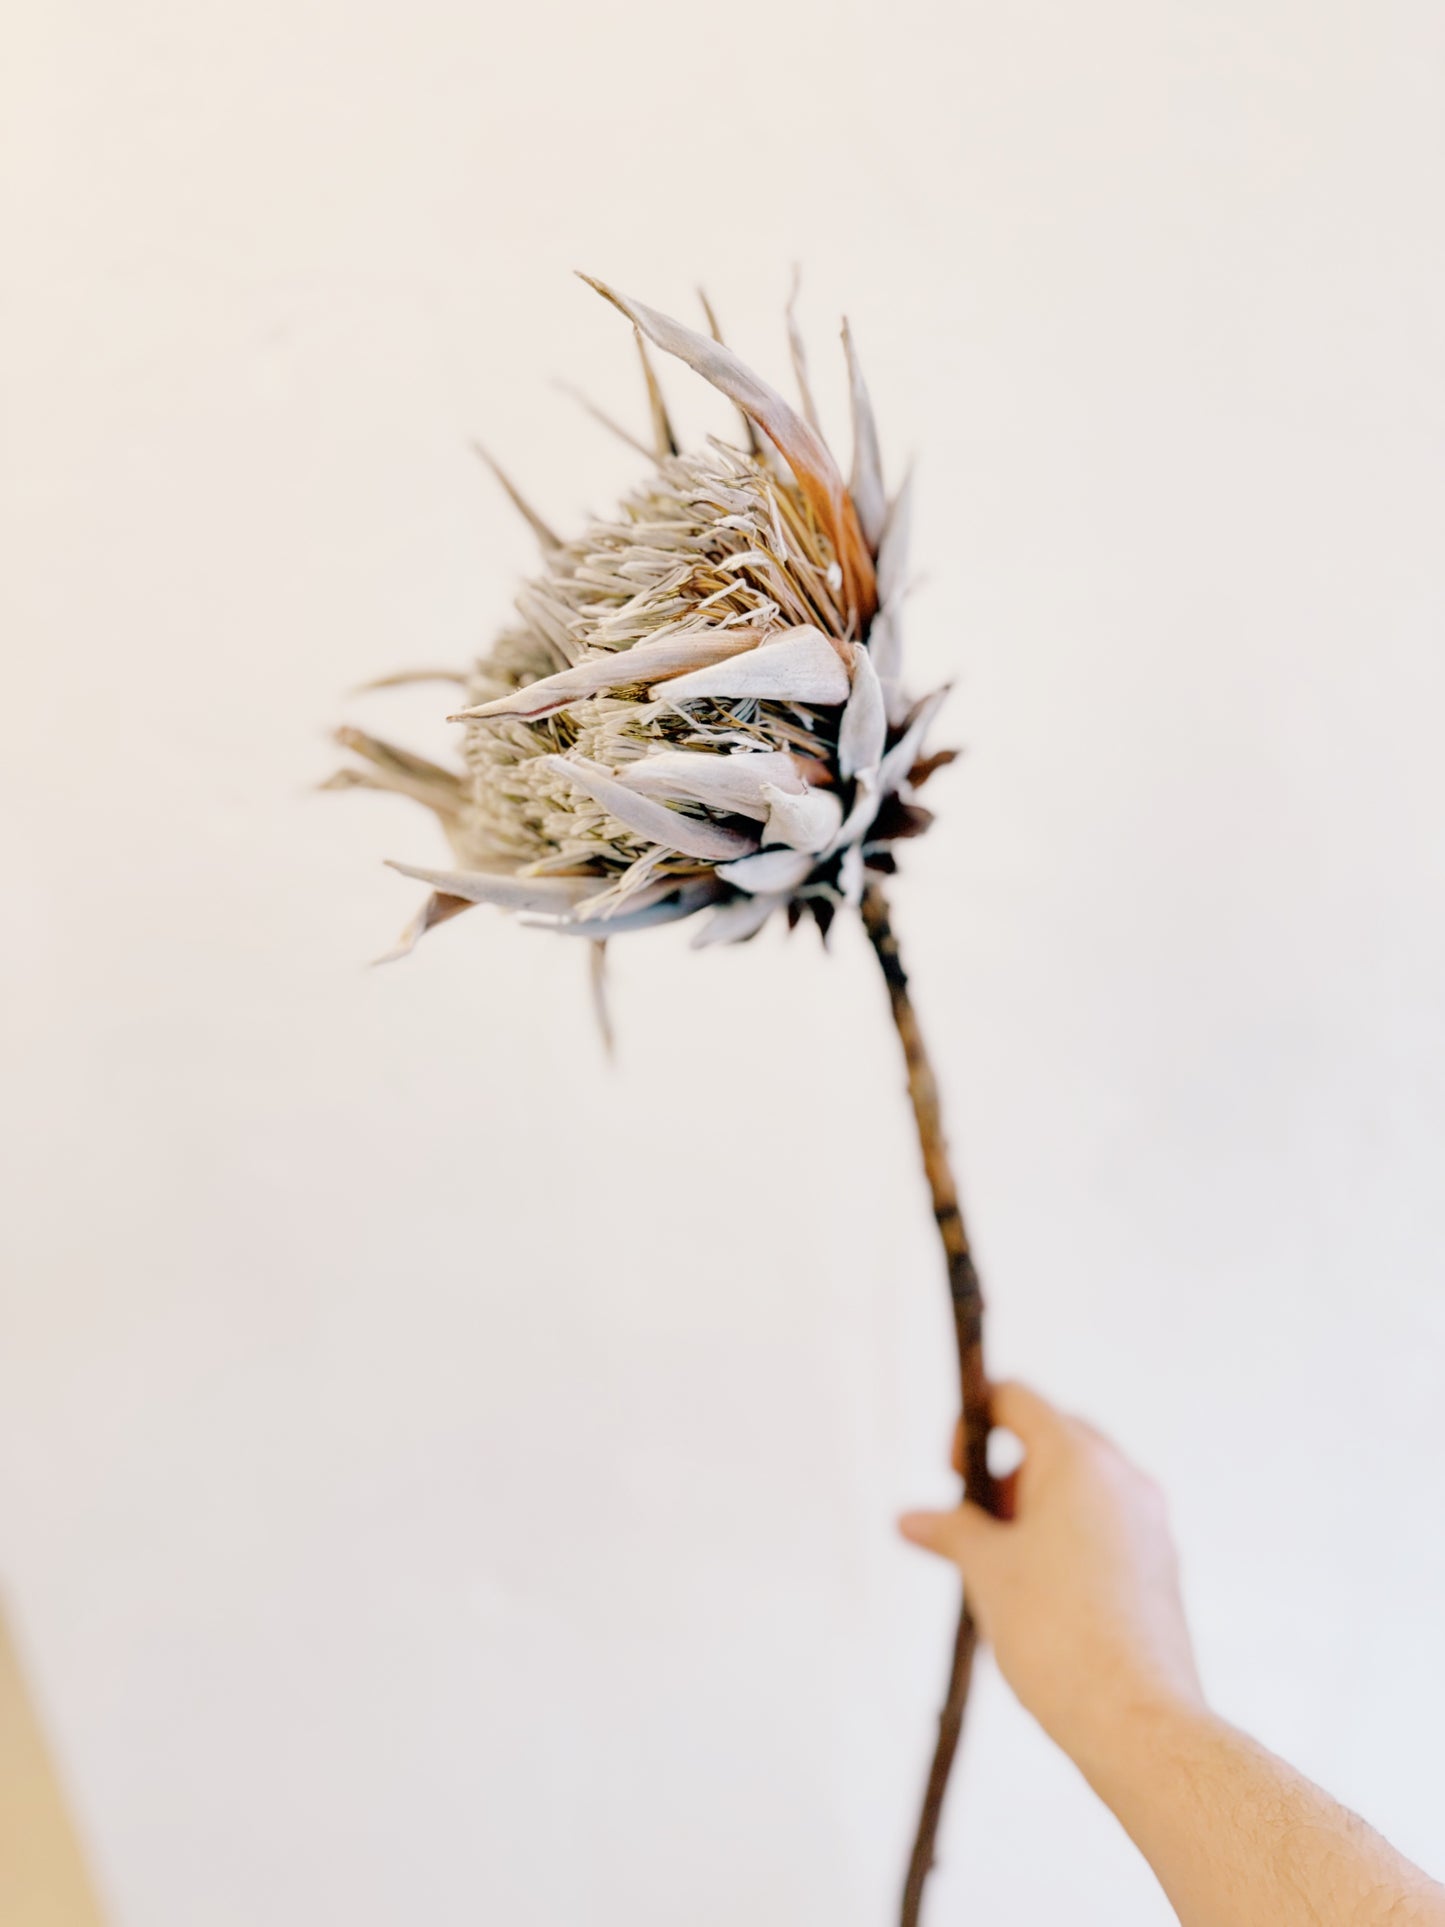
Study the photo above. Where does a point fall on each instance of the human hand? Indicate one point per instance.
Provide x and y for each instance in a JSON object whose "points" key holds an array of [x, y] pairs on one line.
{"points": [[1078, 1593]]}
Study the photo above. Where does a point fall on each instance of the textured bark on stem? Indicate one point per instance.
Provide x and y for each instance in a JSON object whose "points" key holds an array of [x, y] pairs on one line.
{"points": [[966, 1297]]}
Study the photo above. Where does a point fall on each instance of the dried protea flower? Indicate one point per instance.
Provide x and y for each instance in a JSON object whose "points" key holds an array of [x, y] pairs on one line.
{"points": [[702, 708], [701, 705]]}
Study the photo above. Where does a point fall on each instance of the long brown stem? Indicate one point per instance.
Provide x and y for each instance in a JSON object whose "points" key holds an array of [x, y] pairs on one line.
{"points": [[966, 1297]]}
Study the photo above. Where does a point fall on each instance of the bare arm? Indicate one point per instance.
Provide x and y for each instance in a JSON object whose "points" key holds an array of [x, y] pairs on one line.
{"points": [[1079, 1596]]}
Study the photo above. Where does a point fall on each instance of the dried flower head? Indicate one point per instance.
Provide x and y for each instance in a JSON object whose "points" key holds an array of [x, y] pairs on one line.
{"points": [[701, 705]]}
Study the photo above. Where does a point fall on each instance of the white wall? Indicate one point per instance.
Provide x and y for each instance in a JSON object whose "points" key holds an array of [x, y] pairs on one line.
{"points": [[444, 1479]]}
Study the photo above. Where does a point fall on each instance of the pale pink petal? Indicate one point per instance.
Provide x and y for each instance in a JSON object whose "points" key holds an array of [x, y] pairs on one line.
{"points": [[894, 545], [866, 482], [505, 889], [735, 922], [689, 834], [735, 783], [893, 772], [864, 727], [806, 822], [801, 667], [850, 874], [867, 800], [770, 871], [683, 902], [669, 656]]}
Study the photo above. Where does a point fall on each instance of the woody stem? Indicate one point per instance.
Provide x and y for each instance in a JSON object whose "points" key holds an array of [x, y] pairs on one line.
{"points": [[966, 1299]]}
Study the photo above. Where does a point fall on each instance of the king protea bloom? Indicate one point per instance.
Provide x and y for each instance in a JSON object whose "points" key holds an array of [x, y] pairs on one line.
{"points": [[701, 706], [701, 710]]}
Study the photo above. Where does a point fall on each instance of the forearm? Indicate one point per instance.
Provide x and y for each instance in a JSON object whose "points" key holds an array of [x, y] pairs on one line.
{"points": [[1078, 1594], [1239, 1839]]}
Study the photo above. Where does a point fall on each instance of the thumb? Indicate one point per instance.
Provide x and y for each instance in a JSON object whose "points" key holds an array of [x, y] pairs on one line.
{"points": [[962, 1536]]}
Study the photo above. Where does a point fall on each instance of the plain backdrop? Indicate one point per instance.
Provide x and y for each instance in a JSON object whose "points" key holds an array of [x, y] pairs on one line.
{"points": [[444, 1478]]}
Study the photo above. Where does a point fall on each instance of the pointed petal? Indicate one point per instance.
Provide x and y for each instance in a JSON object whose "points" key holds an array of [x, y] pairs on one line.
{"points": [[672, 655], [771, 871], [609, 903], [755, 447], [691, 835], [403, 772], [801, 667], [885, 646], [850, 875], [867, 799], [885, 634], [505, 889], [736, 783], [735, 922], [928, 766], [523, 507], [864, 728], [894, 543], [893, 771], [438, 908], [683, 902], [664, 442], [824, 909], [601, 1008], [865, 484], [806, 822], [599, 415], [800, 356], [897, 820], [401, 678], [802, 448]]}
